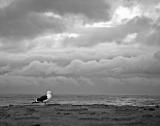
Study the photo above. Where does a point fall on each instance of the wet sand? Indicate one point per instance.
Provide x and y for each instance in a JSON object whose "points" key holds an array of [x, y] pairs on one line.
{"points": [[79, 115]]}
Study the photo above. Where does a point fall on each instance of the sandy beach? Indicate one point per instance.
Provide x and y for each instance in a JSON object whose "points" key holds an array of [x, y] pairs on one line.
{"points": [[78, 115]]}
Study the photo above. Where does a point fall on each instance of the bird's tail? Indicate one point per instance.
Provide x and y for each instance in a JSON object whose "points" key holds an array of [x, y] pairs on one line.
{"points": [[35, 102]]}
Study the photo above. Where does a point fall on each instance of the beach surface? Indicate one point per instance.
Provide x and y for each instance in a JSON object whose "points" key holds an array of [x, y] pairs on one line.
{"points": [[79, 115]]}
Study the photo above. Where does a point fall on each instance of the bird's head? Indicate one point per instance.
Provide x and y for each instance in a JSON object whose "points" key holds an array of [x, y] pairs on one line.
{"points": [[49, 92]]}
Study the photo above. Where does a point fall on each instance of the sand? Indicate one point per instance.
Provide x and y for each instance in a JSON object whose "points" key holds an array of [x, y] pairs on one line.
{"points": [[78, 115]]}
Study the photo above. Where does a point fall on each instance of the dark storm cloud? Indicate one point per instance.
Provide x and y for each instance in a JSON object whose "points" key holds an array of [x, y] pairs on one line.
{"points": [[91, 8], [24, 19], [16, 25]]}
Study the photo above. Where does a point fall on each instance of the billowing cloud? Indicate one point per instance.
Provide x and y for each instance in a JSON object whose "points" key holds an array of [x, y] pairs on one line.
{"points": [[143, 66], [23, 19], [92, 36]]}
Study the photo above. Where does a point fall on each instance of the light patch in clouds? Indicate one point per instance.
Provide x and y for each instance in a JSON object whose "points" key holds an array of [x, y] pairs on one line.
{"points": [[152, 10], [52, 15], [51, 41], [130, 38], [124, 14], [100, 25], [5, 3]]}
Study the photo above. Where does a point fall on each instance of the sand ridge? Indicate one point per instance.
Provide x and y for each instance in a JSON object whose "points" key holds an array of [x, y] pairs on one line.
{"points": [[79, 115]]}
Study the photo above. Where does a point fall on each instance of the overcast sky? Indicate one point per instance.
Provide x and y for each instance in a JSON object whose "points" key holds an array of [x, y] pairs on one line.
{"points": [[80, 46]]}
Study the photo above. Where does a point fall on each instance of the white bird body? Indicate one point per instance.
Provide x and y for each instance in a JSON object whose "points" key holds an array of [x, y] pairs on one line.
{"points": [[49, 96]]}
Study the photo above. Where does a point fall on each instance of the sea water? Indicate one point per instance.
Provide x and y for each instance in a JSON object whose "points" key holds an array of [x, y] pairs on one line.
{"points": [[119, 100]]}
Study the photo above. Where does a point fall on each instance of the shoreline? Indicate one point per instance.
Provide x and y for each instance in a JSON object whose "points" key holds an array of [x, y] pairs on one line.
{"points": [[72, 104], [80, 104], [80, 115]]}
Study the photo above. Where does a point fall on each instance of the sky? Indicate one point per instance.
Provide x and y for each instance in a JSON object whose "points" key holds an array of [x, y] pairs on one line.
{"points": [[80, 46]]}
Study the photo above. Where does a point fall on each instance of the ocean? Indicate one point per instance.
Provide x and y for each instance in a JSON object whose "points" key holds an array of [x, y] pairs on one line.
{"points": [[119, 100]]}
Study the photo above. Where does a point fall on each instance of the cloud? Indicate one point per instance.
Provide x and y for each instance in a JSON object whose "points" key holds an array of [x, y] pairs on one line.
{"points": [[157, 55], [93, 36], [27, 26], [121, 75], [5, 3], [151, 37], [146, 65], [4, 70], [78, 46], [92, 9], [22, 19]]}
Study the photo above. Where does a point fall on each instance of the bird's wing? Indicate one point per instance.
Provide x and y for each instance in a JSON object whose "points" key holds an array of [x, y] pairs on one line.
{"points": [[42, 98], [48, 98]]}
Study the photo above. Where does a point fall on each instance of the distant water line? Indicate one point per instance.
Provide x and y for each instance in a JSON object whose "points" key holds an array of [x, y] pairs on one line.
{"points": [[132, 100]]}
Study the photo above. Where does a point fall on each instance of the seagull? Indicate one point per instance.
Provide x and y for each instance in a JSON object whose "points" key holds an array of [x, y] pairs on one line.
{"points": [[45, 98]]}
